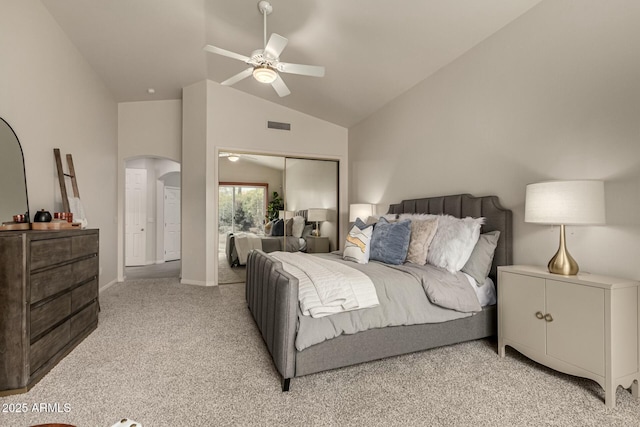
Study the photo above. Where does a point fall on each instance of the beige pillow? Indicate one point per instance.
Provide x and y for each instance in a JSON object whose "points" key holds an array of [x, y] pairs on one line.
{"points": [[422, 232]]}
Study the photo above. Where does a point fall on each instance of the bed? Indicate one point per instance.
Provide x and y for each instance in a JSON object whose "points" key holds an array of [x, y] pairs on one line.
{"points": [[272, 298], [236, 252]]}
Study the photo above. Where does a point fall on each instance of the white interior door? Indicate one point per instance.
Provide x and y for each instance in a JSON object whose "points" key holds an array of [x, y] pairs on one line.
{"points": [[171, 223], [135, 217]]}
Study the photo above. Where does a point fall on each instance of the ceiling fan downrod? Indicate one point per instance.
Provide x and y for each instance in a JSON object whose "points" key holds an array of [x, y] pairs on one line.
{"points": [[265, 8]]}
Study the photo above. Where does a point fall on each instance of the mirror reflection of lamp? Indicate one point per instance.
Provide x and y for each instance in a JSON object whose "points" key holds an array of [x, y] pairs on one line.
{"points": [[317, 215]]}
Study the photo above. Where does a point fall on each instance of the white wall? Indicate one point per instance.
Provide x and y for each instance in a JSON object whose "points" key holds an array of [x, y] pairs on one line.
{"points": [[554, 95], [247, 171], [236, 121], [53, 99], [196, 179], [147, 129]]}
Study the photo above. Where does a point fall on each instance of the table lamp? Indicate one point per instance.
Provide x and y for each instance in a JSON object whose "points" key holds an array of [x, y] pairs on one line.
{"points": [[565, 203], [360, 210]]}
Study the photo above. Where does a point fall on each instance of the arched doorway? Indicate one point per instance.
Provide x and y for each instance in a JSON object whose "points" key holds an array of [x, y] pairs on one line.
{"points": [[151, 218]]}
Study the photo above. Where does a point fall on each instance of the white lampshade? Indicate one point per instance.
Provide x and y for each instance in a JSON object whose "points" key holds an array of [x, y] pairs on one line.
{"points": [[285, 214], [565, 203], [360, 210], [317, 215]]}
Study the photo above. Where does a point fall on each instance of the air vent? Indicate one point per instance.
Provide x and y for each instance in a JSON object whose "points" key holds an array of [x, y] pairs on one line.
{"points": [[279, 125]]}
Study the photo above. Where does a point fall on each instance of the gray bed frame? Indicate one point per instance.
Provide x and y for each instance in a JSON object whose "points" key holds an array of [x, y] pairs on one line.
{"points": [[272, 298]]}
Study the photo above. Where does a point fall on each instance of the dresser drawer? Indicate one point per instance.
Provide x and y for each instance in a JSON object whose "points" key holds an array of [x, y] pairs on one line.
{"points": [[85, 269], [82, 295], [50, 282], [49, 252], [47, 347], [49, 314], [84, 319], [84, 245]]}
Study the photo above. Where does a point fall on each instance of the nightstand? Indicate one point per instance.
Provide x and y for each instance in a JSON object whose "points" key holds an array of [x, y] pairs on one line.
{"points": [[584, 325], [316, 245]]}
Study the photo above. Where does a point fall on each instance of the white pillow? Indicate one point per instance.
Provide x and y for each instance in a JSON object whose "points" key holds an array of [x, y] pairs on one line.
{"points": [[453, 242], [298, 226], [358, 244]]}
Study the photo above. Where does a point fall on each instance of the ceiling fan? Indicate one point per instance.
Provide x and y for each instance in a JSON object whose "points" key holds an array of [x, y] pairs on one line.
{"points": [[234, 157], [265, 63]]}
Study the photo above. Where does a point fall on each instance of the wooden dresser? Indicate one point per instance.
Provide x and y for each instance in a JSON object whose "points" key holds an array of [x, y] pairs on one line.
{"points": [[48, 301]]}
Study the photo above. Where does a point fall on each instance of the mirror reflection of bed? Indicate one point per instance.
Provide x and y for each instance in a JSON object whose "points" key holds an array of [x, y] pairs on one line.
{"points": [[264, 201]]}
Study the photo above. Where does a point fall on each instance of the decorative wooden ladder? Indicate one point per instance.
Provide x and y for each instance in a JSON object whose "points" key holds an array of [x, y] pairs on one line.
{"points": [[61, 180]]}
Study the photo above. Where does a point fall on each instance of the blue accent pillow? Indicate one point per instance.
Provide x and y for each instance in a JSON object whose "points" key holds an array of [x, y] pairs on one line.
{"points": [[277, 229], [390, 241]]}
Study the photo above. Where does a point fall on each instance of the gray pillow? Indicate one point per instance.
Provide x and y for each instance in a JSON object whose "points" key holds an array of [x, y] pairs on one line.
{"points": [[479, 264], [288, 227], [307, 231], [390, 241]]}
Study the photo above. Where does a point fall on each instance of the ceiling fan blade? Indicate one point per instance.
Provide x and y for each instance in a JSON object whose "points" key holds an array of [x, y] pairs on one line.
{"points": [[235, 79], [227, 53], [280, 87], [305, 70], [275, 46]]}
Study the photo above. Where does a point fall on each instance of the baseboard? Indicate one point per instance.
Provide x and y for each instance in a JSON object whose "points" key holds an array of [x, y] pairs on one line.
{"points": [[107, 286], [197, 282]]}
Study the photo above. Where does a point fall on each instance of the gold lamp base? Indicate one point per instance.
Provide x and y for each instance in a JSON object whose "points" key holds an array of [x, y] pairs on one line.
{"points": [[562, 262]]}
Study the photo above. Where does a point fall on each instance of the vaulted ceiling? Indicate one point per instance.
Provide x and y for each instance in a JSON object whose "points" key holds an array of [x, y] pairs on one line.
{"points": [[372, 50]]}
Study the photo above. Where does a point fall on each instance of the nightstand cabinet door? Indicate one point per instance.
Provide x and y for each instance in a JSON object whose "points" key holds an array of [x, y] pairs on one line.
{"points": [[585, 325], [576, 333], [317, 245], [521, 297]]}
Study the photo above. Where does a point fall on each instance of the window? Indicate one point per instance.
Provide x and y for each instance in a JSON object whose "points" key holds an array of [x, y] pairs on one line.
{"points": [[242, 207]]}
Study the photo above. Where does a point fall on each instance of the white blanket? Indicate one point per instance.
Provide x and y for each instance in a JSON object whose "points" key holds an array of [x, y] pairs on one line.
{"points": [[245, 243], [326, 287]]}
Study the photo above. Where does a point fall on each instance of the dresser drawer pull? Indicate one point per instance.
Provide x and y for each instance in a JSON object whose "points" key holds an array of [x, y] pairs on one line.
{"points": [[548, 317], [539, 315]]}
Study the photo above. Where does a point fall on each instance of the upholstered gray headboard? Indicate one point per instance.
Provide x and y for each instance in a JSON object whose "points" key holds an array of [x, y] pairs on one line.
{"points": [[464, 205]]}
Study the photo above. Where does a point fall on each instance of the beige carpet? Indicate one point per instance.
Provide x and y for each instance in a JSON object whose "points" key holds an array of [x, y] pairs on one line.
{"points": [[167, 354], [228, 275], [154, 271]]}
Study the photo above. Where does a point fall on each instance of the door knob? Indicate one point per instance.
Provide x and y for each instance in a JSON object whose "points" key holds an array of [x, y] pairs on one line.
{"points": [[548, 317], [539, 315]]}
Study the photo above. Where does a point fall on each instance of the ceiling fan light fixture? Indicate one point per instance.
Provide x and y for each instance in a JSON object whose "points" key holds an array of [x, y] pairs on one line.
{"points": [[233, 158], [264, 74]]}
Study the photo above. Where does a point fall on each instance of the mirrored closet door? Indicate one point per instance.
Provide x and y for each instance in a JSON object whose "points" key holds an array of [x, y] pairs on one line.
{"points": [[274, 203]]}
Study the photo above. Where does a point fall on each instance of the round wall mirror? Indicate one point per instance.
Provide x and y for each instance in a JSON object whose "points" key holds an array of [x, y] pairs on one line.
{"points": [[13, 182]]}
